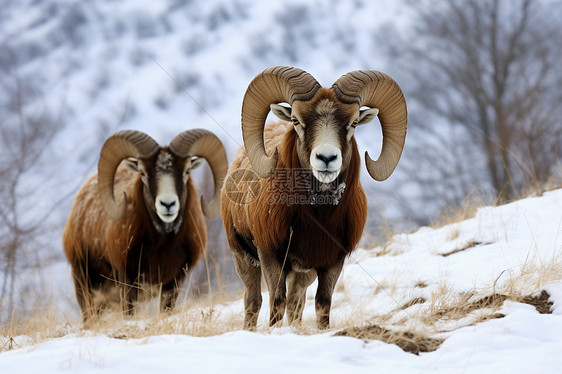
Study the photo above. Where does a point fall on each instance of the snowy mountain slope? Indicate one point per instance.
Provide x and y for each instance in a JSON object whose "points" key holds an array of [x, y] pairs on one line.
{"points": [[487, 290]]}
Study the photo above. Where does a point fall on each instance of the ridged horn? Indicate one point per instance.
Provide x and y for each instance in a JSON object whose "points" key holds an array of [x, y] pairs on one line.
{"points": [[375, 89], [203, 143], [119, 146], [273, 85]]}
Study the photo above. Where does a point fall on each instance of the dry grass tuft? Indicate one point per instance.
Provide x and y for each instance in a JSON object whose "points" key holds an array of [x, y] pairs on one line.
{"points": [[482, 309], [408, 341], [541, 302], [414, 301], [463, 211], [421, 284], [470, 244], [200, 319], [462, 309], [194, 318], [39, 326]]}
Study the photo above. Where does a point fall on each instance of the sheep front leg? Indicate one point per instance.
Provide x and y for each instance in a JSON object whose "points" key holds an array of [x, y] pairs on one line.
{"points": [[250, 274], [83, 293], [327, 278], [275, 279], [169, 295], [297, 282]]}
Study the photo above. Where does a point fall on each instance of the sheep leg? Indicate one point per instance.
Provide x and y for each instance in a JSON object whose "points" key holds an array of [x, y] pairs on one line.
{"points": [[86, 278], [297, 282], [83, 293], [327, 278], [250, 274], [169, 295], [275, 280], [132, 298]]}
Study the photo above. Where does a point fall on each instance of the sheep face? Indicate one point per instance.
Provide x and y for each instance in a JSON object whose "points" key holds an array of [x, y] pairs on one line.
{"points": [[325, 127], [164, 178]]}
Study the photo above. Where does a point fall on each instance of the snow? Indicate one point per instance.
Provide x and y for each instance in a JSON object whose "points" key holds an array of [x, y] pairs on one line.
{"points": [[518, 254], [191, 70]]}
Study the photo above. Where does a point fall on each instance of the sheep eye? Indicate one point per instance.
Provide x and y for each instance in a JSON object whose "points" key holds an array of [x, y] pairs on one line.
{"points": [[141, 173], [354, 124], [295, 121]]}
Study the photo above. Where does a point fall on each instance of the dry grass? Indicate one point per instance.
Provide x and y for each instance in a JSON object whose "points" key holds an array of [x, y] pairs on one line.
{"points": [[35, 328], [199, 322], [475, 200], [464, 247], [199, 315], [422, 338], [419, 324], [414, 332], [409, 341], [533, 275], [457, 213], [194, 320], [447, 310]]}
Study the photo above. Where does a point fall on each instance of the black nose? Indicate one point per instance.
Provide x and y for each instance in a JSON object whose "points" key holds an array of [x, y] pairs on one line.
{"points": [[167, 206], [326, 159]]}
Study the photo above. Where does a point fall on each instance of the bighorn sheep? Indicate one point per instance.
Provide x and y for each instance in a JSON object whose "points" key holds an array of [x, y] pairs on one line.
{"points": [[306, 211], [155, 232]]}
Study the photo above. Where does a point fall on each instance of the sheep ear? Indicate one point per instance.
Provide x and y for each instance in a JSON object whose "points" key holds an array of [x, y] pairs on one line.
{"points": [[132, 163], [282, 112], [367, 115], [196, 162]]}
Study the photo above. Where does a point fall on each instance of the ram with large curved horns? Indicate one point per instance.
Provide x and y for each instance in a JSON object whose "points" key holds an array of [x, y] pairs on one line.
{"points": [[305, 210], [139, 223]]}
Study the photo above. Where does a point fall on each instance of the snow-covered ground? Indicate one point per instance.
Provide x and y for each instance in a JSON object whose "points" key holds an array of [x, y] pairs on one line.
{"points": [[439, 283], [163, 67]]}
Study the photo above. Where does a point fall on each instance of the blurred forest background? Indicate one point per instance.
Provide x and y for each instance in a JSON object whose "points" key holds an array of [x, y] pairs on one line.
{"points": [[482, 79]]}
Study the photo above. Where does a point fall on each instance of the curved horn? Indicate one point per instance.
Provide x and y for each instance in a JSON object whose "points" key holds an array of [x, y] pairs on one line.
{"points": [[203, 143], [273, 85], [375, 89], [122, 144]]}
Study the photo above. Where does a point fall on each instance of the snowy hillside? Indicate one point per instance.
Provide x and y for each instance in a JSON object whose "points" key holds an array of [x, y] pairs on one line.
{"points": [[481, 295]]}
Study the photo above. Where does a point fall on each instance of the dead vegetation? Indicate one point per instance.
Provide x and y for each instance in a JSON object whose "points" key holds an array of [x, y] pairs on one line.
{"points": [[541, 302], [205, 320], [417, 300], [468, 245], [414, 341], [408, 341], [417, 324]]}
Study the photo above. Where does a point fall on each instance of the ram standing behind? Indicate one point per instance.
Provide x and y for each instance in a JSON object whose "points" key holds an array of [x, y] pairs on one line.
{"points": [[154, 232]]}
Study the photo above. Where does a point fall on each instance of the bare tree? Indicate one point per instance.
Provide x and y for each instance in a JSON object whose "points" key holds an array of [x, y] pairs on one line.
{"points": [[25, 131], [482, 78]]}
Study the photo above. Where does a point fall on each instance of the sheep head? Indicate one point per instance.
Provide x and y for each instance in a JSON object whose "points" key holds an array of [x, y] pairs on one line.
{"points": [[325, 119], [163, 171]]}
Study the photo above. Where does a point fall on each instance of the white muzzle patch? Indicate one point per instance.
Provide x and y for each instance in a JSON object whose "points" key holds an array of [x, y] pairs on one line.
{"points": [[167, 202], [326, 162]]}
